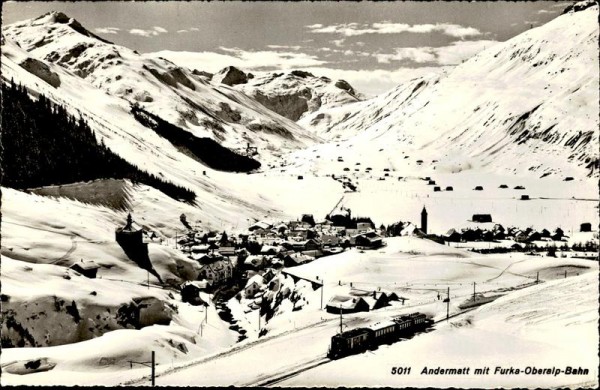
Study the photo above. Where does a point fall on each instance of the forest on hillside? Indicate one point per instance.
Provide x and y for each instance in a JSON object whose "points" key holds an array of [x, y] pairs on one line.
{"points": [[44, 145], [204, 150]]}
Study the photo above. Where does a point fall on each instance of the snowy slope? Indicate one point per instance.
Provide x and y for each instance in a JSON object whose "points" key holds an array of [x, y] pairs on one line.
{"points": [[174, 93], [415, 265], [225, 199], [528, 104], [551, 325], [47, 305]]}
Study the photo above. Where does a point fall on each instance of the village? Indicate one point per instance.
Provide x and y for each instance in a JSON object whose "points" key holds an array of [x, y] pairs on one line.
{"points": [[253, 266], [246, 264]]}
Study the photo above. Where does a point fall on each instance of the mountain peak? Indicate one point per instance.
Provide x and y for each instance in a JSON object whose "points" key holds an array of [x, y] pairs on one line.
{"points": [[231, 75], [54, 17], [580, 6], [59, 17]]}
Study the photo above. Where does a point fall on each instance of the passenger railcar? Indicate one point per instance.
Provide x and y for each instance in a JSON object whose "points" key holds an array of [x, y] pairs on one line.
{"points": [[361, 339], [382, 332]]}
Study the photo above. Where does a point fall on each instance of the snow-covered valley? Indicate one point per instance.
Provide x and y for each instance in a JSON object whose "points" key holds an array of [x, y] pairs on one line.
{"points": [[511, 133]]}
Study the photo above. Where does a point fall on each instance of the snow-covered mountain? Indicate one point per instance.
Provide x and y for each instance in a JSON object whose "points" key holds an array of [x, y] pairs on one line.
{"points": [[296, 93], [527, 104], [290, 93], [174, 93]]}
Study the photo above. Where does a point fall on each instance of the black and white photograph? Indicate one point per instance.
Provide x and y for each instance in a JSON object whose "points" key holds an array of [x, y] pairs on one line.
{"points": [[399, 194]]}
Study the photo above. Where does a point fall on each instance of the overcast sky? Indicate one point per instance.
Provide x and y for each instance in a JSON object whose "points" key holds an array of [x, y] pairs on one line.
{"points": [[374, 46]]}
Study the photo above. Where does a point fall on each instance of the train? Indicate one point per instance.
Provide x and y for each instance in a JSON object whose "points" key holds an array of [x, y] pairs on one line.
{"points": [[360, 339]]}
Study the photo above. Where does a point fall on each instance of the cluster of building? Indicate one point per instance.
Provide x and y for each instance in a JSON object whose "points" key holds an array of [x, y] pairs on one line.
{"points": [[268, 247], [296, 242], [485, 230], [215, 253]]}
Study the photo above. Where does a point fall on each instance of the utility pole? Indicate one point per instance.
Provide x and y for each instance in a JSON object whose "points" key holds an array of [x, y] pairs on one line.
{"points": [[448, 305], [148, 279], [473, 291], [341, 319], [565, 274], [322, 287], [151, 364], [175, 239], [537, 278], [153, 370]]}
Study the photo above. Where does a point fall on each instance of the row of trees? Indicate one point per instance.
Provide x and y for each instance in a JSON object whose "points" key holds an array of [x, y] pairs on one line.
{"points": [[45, 145]]}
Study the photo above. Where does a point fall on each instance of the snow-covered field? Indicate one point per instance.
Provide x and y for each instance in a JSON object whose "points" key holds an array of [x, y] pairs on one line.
{"points": [[416, 269], [550, 325]]}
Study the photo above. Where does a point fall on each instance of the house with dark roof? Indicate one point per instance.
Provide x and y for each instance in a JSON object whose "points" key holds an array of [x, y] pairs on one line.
{"points": [[88, 269], [190, 292], [216, 271], [369, 240], [295, 259], [452, 236], [227, 251], [346, 304]]}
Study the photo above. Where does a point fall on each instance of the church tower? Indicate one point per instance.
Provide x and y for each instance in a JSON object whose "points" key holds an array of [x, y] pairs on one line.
{"points": [[424, 220]]}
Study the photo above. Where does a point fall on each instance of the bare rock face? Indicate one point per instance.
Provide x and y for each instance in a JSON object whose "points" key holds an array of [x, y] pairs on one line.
{"points": [[291, 105], [202, 73], [172, 77], [228, 114], [54, 321], [302, 74], [580, 6], [295, 93], [342, 84], [41, 70], [231, 76]]}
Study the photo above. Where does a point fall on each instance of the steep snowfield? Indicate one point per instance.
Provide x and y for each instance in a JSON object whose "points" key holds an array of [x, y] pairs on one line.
{"points": [[174, 93], [528, 104]]}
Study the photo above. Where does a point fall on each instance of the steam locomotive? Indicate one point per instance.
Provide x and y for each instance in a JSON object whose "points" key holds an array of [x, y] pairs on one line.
{"points": [[360, 339]]}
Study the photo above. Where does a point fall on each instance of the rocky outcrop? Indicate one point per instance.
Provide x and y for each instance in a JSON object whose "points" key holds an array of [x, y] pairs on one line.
{"points": [[202, 74], [231, 76], [172, 77], [51, 320], [295, 93], [343, 85], [41, 70], [580, 6], [228, 114], [291, 106]]}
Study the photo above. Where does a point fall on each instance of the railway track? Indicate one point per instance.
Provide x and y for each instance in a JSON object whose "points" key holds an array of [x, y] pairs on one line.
{"points": [[283, 375], [286, 374]]}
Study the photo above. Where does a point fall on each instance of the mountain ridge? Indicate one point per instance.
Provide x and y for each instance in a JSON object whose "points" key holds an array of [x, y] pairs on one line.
{"points": [[527, 104]]}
